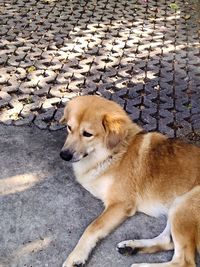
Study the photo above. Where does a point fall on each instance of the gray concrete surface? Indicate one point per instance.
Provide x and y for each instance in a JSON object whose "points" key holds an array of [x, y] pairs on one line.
{"points": [[43, 211]]}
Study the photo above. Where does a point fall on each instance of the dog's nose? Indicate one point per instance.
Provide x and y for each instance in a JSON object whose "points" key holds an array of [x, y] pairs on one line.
{"points": [[66, 155]]}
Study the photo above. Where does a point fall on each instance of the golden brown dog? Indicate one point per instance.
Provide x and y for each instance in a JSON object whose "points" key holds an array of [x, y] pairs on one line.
{"points": [[130, 170]]}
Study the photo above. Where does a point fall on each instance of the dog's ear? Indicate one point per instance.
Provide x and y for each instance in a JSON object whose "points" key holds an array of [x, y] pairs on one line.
{"points": [[64, 117], [63, 120], [114, 126]]}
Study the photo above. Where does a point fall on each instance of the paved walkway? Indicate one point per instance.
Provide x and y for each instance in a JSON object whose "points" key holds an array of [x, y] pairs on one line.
{"points": [[144, 54]]}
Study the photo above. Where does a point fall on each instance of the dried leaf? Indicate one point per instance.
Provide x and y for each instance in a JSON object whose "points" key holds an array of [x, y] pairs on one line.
{"points": [[14, 116], [189, 106], [29, 100], [31, 69], [174, 6], [187, 16], [152, 18]]}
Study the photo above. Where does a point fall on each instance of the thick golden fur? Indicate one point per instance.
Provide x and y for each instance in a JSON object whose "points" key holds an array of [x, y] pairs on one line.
{"points": [[130, 170]]}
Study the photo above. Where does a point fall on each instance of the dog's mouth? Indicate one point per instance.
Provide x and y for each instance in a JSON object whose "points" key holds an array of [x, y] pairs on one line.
{"points": [[77, 159], [74, 158]]}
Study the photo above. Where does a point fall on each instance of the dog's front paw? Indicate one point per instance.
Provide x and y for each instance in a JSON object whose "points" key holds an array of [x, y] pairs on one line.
{"points": [[75, 260], [143, 265], [126, 247], [74, 264]]}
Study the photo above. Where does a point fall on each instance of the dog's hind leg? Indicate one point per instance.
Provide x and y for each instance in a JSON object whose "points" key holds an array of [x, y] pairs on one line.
{"points": [[159, 243], [183, 234], [184, 218]]}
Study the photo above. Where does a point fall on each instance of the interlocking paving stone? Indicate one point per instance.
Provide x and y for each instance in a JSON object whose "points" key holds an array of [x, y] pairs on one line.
{"points": [[143, 54]]}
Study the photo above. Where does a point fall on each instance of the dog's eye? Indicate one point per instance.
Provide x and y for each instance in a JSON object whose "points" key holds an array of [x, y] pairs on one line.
{"points": [[69, 128], [86, 134]]}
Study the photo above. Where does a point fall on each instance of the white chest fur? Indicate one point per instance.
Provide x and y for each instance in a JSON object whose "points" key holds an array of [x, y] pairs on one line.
{"points": [[94, 180], [98, 187]]}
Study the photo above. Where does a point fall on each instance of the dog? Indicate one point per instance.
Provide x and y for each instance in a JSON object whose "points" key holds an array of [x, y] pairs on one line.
{"points": [[132, 170]]}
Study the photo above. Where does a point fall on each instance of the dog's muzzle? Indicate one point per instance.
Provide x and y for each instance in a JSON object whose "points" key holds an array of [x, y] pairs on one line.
{"points": [[68, 155]]}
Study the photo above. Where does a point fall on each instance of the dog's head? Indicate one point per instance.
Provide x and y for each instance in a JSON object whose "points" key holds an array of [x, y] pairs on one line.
{"points": [[95, 126]]}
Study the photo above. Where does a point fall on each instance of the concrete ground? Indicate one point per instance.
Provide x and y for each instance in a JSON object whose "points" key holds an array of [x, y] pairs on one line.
{"points": [[44, 211]]}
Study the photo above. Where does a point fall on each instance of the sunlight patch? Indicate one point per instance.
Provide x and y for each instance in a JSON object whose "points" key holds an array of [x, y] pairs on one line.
{"points": [[17, 183], [33, 246]]}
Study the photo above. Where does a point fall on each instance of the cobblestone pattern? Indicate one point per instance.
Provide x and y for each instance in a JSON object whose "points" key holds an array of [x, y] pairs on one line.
{"points": [[144, 54]]}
